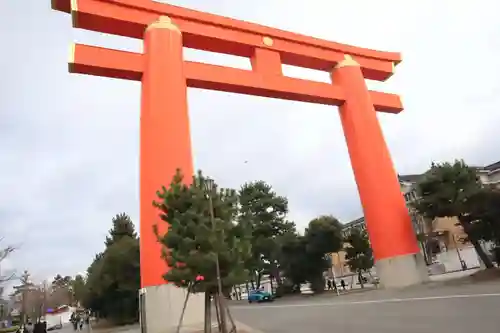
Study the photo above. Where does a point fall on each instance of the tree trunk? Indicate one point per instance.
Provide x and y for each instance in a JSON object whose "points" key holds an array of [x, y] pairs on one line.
{"points": [[276, 274], [424, 252], [181, 319], [360, 279], [272, 284], [484, 257], [208, 314], [477, 246], [217, 311], [259, 277]]}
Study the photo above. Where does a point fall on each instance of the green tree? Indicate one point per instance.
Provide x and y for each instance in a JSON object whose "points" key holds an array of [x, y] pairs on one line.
{"points": [[122, 227], [93, 287], [322, 237], [445, 190], [294, 261], [304, 258], [484, 215], [484, 218], [79, 289], [264, 213], [359, 254], [61, 293], [113, 278], [61, 281], [192, 242]]}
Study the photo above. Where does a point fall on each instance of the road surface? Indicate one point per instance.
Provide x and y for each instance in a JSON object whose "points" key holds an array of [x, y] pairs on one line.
{"points": [[424, 309]]}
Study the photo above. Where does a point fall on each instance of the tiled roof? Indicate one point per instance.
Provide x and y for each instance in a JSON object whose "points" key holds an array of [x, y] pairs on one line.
{"points": [[409, 178], [354, 223], [493, 166]]}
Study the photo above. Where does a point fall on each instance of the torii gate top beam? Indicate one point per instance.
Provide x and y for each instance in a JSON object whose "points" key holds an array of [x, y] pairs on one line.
{"points": [[266, 48], [220, 34]]}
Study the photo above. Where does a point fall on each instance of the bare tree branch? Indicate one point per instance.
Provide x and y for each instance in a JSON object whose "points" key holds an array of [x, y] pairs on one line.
{"points": [[4, 253]]}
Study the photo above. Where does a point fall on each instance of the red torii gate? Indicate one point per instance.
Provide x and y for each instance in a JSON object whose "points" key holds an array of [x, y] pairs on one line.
{"points": [[165, 76]]}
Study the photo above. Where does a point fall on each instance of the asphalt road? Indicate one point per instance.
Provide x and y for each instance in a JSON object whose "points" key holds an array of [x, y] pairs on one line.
{"points": [[424, 309]]}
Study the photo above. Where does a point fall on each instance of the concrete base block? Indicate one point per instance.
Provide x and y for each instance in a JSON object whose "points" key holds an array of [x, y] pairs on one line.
{"points": [[161, 307], [402, 271]]}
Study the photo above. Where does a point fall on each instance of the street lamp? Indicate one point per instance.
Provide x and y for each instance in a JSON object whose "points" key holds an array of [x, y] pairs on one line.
{"points": [[209, 187]]}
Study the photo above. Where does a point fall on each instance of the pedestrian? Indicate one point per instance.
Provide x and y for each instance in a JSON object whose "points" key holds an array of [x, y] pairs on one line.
{"points": [[342, 283], [76, 321], [38, 327], [329, 284], [334, 284], [87, 321], [28, 328]]}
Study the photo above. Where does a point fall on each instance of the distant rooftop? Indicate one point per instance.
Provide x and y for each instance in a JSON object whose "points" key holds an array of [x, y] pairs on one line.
{"points": [[493, 166], [413, 178], [354, 223], [408, 178]]}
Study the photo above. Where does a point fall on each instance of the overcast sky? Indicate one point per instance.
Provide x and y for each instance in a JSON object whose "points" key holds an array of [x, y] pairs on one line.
{"points": [[69, 143]]}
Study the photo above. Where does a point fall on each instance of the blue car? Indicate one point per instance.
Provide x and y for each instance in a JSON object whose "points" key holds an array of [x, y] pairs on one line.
{"points": [[260, 296]]}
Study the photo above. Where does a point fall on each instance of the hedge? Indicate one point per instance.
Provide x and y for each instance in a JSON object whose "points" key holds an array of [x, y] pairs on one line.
{"points": [[9, 329]]}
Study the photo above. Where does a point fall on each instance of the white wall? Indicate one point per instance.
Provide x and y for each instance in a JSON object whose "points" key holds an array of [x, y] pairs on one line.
{"points": [[452, 263]]}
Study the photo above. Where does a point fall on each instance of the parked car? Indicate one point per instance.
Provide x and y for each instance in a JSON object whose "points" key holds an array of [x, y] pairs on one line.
{"points": [[260, 296]]}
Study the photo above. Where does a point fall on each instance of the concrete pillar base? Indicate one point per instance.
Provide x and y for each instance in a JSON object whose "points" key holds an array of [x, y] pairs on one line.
{"points": [[402, 271], [161, 307]]}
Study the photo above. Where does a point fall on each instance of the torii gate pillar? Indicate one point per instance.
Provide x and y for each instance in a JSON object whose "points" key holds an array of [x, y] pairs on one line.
{"points": [[399, 262], [165, 146]]}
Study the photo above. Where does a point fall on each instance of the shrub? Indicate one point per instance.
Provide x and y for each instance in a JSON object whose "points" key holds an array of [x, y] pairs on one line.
{"points": [[9, 329]]}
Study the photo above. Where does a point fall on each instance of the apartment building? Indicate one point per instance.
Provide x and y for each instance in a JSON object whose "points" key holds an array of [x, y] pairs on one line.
{"points": [[338, 259], [445, 233], [490, 174], [442, 234]]}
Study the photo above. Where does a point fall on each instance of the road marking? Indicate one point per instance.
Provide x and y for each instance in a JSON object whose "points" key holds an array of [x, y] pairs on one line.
{"points": [[377, 301]]}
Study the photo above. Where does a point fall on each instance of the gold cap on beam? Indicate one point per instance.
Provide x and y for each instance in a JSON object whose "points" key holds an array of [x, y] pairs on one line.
{"points": [[163, 22], [347, 61]]}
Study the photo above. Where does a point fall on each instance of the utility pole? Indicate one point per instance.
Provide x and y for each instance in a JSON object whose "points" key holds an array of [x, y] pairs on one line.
{"points": [[222, 309]]}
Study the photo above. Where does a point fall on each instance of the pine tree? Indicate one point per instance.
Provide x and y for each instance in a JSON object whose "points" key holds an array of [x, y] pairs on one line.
{"points": [[191, 244], [263, 211], [113, 278], [446, 190], [122, 227]]}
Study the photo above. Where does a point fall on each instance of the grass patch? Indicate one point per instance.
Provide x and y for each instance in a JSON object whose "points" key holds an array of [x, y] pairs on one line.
{"points": [[9, 329]]}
